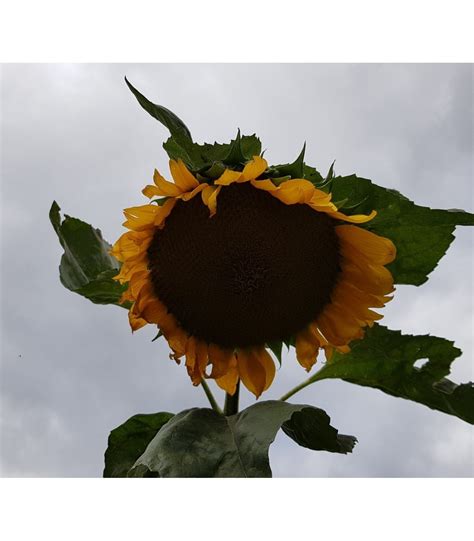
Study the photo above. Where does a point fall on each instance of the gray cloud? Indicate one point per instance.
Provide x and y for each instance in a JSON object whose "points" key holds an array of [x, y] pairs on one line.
{"points": [[71, 371]]}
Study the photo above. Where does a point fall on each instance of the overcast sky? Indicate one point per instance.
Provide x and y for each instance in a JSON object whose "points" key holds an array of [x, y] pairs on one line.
{"points": [[71, 370]]}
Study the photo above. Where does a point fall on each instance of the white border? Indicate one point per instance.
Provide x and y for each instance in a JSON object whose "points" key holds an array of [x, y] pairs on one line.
{"points": [[388, 509], [243, 31]]}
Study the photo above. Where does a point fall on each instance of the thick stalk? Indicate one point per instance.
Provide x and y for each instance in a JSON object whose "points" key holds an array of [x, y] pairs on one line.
{"points": [[210, 397], [231, 405]]}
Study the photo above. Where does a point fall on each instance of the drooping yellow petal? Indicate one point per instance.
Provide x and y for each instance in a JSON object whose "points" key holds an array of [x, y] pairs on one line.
{"points": [[196, 359], [253, 169], [228, 382], [136, 322], [375, 279], [338, 328], [307, 347], [182, 177], [294, 191], [256, 369], [165, 187], [228, 177], [189, 195], [209, 198], [357, 242], [220, 359]]}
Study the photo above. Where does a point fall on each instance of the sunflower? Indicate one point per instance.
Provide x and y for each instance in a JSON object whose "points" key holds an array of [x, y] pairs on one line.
{"points": [[226, 267]]}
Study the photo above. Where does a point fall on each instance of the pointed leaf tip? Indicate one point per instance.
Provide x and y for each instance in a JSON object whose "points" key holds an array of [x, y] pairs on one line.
{"points": [[175, 125]]}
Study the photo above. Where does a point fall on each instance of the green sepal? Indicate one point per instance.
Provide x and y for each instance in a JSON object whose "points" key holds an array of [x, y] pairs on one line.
{"points": [[235, 155], [159, 335], [314, 176], [87, 267], [214, 172], [292, 170], [385, 360], [203, 443], [129, 440], [276, 348], [278, 180]]}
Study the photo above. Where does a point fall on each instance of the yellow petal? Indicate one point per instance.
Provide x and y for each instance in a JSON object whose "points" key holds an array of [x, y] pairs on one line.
{"points": [[209, 198], [307, 347], [228, 177], [151, 191], [356, 242], [266, 185], [256, 369], [253, 169], [338, 327], [356, 218], [189, 195], [136, 322], [140, 218], [220, 359], [196, 359], [375, 279], [163, 212], [131, 244], [127, 270], [182, 177], [165, 188], [295, 191], [228, 382]]}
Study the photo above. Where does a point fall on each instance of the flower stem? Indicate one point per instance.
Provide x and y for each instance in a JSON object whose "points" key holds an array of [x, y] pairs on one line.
{"points": [[210, 397], [231, 405], [293, 391]]}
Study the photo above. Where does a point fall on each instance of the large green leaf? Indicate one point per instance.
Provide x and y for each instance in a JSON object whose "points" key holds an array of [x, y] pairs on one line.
{"points": [[129, 440], [421, 235], [203, 443], [87, 268], [385, 360]]}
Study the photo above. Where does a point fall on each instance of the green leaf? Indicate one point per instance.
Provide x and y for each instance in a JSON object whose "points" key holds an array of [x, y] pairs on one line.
{"points": [[86, 266], [385, 360], [310, 428], [175, 125], [421, 235], [129, 440], [203, 443]]}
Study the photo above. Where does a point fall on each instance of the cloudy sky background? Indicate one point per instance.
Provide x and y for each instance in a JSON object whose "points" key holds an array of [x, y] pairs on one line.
{"points": [[71, 370]]}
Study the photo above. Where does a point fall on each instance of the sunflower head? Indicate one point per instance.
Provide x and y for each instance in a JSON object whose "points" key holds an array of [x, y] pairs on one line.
{"points": [[232, 256]]}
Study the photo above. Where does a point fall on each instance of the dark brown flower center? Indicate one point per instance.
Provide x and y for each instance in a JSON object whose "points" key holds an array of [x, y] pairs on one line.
{"points": [[258, 271]]}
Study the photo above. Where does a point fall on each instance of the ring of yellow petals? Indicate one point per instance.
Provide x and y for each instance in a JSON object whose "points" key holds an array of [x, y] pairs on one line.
{"points": [[363, 282]]}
